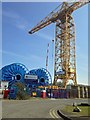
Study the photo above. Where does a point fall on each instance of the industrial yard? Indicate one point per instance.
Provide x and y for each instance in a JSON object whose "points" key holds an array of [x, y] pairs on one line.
{"points": [[40, 82], [45, 83]]}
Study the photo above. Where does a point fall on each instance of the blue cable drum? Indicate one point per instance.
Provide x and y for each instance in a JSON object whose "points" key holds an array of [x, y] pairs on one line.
{"points": [[13, 73], [44, 77]]}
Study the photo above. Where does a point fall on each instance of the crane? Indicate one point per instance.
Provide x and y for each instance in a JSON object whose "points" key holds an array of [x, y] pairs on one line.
{"points": [[65, 51]]}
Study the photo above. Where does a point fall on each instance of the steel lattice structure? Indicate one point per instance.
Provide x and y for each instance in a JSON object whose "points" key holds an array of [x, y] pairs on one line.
{"points": [[65, 56]]}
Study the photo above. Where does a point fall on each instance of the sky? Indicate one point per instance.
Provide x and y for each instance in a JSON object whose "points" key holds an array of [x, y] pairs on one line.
{"points": [[20, 47]]}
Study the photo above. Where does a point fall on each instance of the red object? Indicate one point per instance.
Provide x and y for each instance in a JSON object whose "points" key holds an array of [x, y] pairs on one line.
{"points": [[6, 92], [43, 94]]}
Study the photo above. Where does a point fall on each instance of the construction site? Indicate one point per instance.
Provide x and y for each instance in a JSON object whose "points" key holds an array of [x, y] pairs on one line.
{"points": [[39, 82]]}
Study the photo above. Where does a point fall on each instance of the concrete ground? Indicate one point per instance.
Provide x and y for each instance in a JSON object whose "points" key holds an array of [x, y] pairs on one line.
{"points": [[35, 108]]}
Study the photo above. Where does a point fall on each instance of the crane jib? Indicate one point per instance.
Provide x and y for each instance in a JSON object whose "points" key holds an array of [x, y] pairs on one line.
{"points": [[58, 15]]}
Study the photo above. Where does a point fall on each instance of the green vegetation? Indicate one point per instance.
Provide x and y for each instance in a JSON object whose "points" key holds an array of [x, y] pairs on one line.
{"points": [[85, 110], [21, 93]]}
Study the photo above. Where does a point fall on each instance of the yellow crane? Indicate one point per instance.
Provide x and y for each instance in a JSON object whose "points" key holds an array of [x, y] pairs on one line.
{"points": [[65, 53]]}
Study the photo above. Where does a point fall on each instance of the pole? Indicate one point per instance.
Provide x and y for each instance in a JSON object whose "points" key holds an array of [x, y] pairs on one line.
{"points": [[52, 67], [47, 57]]}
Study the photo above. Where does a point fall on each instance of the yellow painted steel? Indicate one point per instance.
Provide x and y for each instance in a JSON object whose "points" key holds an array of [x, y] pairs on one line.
{"points": [[65, 52]]}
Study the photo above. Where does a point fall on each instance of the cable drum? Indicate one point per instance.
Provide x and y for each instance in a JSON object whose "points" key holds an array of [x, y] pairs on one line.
{"points": [[16, 73], [13, 73], [44, 77]]}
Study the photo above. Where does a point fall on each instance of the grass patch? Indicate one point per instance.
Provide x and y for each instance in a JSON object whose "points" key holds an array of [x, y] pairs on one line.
{"points": [[85, 110]]}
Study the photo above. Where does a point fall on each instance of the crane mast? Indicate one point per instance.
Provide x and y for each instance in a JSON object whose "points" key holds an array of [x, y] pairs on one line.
{"points": [[65, 52]]}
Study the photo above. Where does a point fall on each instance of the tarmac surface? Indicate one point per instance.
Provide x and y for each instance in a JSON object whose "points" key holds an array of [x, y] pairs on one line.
{"points": [[36, 108]]}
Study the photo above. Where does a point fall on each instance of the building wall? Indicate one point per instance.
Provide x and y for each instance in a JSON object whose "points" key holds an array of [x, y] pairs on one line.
{"points": [[79, 91]]}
